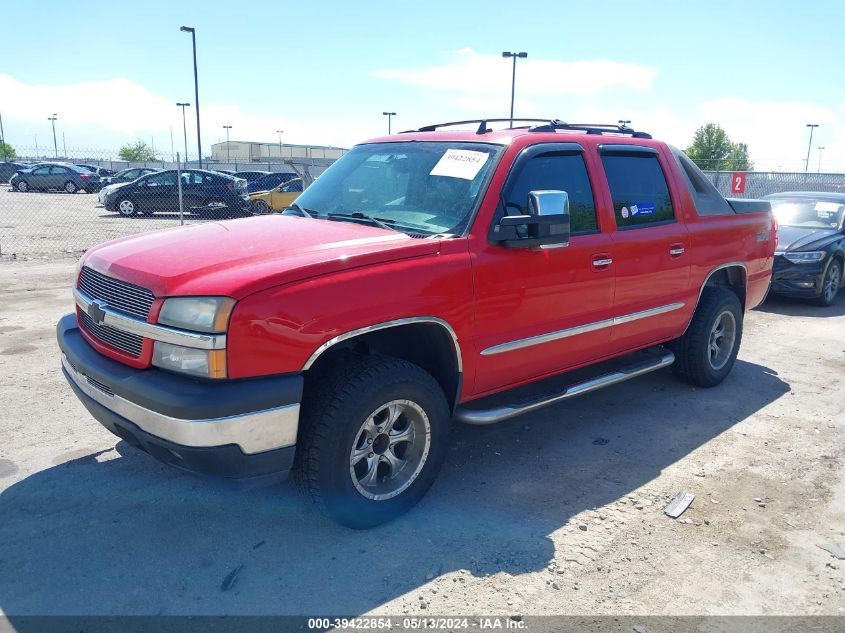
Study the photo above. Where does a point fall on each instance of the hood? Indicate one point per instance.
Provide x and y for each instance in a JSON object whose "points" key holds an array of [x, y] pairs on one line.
{"points": [[239, 257], [796, 238]]}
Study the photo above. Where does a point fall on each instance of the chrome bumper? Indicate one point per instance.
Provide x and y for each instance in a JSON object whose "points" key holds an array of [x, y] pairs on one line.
{"points": [[253, 432]]}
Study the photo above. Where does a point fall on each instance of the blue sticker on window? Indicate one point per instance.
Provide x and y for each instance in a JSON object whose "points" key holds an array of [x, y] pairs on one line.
{"points": [[642, 208]]}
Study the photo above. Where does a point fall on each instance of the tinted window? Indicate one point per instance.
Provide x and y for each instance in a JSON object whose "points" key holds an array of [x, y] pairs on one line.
{"points": [[639, 190], [292, 187], [191, 178], [58, 170], [41, 171], [163, 179], [556, 171]]}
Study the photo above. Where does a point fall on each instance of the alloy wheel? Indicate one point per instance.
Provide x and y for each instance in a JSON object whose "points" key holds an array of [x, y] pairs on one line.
{"points": [[722, 339]]}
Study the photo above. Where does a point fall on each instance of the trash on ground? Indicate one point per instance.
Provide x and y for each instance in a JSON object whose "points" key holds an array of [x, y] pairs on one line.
{"points": [[679, 504]]}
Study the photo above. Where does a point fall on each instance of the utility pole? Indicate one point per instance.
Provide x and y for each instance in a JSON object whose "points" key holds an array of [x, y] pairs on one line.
{"points": [[513, 76], [227, 128], [192, 31], [819, 169], [184, 132], [279, 132], [172, 153], [64, 145], [52, 120], [812, 127], [3, 138], [389, 116]]}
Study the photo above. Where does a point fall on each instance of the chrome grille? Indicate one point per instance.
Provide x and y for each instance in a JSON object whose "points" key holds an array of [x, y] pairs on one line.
{"points": [[129, 343], [119, 295]]}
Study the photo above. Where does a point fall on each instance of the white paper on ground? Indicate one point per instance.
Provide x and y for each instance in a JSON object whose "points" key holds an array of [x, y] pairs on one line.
{"points": [[460, 163]]}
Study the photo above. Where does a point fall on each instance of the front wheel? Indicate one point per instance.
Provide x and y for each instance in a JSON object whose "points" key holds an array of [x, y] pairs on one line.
{"points": [[706, 353], [830, 284], [374, 435], [23, 186], [260, 207], [126, 207], [70, 187]]}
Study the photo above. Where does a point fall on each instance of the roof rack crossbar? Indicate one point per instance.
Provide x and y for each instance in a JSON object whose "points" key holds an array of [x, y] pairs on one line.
{"points": [[482, 127], [589, 128]]}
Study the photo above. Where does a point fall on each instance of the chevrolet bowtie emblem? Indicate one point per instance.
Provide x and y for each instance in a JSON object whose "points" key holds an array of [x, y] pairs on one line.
{"points": [[96, 312]]}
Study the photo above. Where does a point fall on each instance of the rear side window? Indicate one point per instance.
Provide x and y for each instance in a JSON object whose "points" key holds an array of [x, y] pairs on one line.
{"points": [[556, 171], [639, 190]]}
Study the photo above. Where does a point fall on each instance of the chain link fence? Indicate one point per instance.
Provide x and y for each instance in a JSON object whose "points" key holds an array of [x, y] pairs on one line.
{"points": [[60, 207], [46, 215]]}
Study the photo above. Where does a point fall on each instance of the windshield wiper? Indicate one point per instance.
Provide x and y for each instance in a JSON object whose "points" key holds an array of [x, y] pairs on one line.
{"points": [[358, 215], [308, 213]]}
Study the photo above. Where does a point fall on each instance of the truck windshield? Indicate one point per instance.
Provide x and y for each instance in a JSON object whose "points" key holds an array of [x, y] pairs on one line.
{"points": [[416, 187], [808, 213]]}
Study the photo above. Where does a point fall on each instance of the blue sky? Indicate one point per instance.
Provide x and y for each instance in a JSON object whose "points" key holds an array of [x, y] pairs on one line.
{"points": [[325, 71]]}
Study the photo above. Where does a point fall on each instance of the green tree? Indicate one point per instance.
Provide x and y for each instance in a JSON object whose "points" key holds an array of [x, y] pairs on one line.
{"points": [[137, 152], [7, 151], [711, 148]]}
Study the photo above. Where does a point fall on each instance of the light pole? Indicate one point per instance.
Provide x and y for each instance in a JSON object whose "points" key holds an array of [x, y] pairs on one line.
{"points": [[389, 116], [184, 132], [624, 122], [192, 31], [2, 138], [812, 127], [52, 120], [227, 128], [513, 77], [821, 149], [279, 132]]}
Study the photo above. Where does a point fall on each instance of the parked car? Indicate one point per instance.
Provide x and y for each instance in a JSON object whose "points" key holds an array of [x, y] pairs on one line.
{"points": [[55, 176], [810, 257], [422, 278], [8, 169], [102, 172], [270, 181], [249, 176], [221, 194], [276, 199], [128, 175]]}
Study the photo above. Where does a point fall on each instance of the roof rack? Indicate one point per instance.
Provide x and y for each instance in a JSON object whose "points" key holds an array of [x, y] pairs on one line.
{"points": [[589, 128], [482, 127], [547, 125]]}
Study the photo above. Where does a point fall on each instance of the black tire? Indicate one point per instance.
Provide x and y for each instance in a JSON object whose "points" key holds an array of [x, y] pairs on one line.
{"points": [[259, 207], [126, 207], [70, 187], [695, 361], [831, 283], [334, 410], [22, 186]]}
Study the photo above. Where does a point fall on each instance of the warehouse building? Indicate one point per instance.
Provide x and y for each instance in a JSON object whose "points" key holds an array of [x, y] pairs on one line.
{"points": [[252, 152]]}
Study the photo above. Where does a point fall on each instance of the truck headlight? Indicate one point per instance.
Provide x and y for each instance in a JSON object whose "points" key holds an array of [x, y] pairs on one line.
{"points": [[209, 315], [805, 258], [188, 360]]}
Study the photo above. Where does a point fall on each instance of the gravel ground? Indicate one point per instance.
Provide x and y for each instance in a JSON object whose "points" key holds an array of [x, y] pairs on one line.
{"points": [[556, 512], [51, 225]]}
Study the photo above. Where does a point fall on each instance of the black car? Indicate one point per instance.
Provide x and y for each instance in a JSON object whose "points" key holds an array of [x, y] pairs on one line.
{"points": [[128, 175], [270, 181], [58, 176], [102, 172], [810, 256], [202, 191], [249, 176], [8, 169]]}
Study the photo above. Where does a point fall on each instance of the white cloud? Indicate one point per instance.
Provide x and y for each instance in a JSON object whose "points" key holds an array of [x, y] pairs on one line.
{"points": [[472, 73]]}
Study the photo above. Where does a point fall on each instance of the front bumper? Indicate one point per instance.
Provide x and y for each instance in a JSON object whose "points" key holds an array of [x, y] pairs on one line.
{"points": [[235, 429], [797, 280]]}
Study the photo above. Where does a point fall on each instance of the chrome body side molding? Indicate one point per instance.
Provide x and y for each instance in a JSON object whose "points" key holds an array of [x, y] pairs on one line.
{"points": [[580, 329]]}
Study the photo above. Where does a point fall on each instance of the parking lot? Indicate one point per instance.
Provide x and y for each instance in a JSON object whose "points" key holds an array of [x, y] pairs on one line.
{"points": [[53, 225], [559, 511]]}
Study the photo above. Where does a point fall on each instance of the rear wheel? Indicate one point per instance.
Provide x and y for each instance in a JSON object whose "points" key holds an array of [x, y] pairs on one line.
{"points": [[706, 353], [126, 207], [830, 284], [374, 435], [70, 187]]}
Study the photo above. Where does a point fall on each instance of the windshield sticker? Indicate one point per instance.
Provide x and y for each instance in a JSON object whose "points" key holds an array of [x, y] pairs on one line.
{"points": [[642, 208], [624, 212], [831, 207], [460, 163]]}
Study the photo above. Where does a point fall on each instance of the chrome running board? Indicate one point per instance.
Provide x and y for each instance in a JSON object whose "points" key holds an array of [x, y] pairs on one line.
{"points": [[500, 413]]}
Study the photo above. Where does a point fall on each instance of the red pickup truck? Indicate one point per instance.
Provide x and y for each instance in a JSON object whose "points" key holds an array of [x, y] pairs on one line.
{"points": [[426, 277]]}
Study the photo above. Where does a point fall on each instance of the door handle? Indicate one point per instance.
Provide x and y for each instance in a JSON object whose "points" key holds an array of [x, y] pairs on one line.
{"points": [[676, 251], [602, 261]]}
